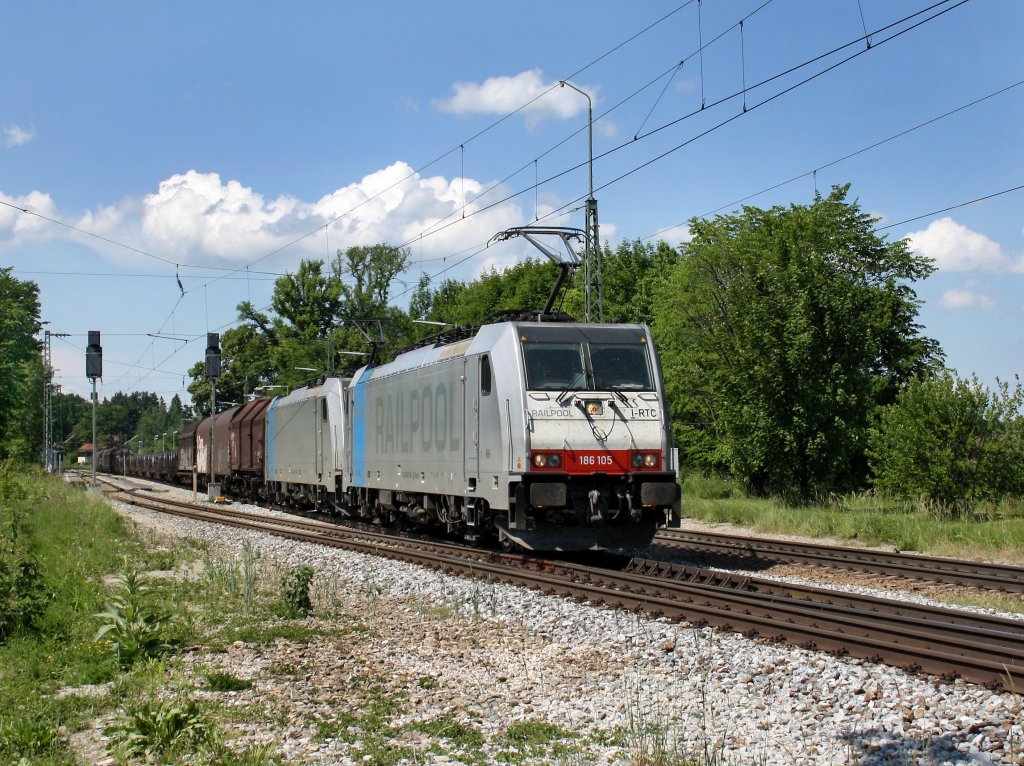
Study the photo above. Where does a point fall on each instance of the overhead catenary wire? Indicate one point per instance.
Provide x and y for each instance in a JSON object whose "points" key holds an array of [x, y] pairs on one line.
{"points": [[951, 207], [536, 185], [814, 171]]}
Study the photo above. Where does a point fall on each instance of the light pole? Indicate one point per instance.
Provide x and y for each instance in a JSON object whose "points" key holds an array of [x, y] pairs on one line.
{"points": [[592, 257]]}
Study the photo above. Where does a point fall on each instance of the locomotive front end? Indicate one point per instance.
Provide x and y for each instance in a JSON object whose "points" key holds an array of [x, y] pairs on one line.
{"points": [[599, 473]]}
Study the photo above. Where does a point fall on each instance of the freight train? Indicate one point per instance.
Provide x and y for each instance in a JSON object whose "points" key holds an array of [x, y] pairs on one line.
{"points": [[541, 435]]}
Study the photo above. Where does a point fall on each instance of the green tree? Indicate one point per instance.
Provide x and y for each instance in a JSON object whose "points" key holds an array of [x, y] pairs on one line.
{"points": [[631, 276], [525, 285], [951, 442], [365, 274], [21, 368], [314, 324], [781, 331]]}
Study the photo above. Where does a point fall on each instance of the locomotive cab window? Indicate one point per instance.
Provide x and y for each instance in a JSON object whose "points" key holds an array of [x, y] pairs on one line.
{"points": [[555, 366], [620, 367], [485, 376]]}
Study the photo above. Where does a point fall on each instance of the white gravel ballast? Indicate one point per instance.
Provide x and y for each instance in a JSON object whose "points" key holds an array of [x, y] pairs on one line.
{"points": [[498, 654]]}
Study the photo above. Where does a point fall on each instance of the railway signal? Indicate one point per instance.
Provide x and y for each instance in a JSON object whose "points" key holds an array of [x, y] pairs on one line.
{"points": [[93, 370], [212, 373]]}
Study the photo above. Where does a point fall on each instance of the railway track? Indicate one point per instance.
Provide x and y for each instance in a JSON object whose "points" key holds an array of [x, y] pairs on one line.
{"points": [[756, 551], [942, 642]]}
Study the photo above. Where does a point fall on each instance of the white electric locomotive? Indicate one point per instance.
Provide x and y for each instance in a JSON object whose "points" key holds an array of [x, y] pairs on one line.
{"points": [[547, 435]]}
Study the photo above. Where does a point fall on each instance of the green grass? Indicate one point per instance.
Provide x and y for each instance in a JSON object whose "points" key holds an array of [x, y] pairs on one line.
{"points": [[995, 532], [75, 539], [78, 543]]}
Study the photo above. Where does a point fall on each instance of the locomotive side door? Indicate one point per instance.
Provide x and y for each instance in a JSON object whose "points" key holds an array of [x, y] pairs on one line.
{"points": [[491, 447], [320, 417], [472, 420]]}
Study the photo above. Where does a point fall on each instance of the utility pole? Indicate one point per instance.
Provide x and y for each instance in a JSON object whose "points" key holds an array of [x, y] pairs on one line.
{"points": [[592, 247]]}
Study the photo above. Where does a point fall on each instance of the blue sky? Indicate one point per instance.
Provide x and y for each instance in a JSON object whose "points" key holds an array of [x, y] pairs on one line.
{"points": [[183, 136]]}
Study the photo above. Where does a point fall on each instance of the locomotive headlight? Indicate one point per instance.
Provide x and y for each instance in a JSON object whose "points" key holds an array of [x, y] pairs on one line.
{"points": [[547, 459], [594, 407], [645, 459]]}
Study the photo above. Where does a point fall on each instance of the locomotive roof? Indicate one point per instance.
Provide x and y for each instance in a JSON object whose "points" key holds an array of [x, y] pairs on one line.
{"points": [[314, 387], [490, 336]]}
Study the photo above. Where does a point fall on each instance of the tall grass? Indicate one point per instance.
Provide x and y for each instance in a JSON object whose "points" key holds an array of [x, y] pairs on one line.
{"points": [[991, 531], [73, 539]]}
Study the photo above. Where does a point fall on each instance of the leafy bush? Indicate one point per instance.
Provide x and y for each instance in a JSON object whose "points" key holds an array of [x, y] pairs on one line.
{"points": [[132, 624], [295, 590], [951, 442]]}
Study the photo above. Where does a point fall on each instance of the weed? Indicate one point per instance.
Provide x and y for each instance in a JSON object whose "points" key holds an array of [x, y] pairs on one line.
{"points": [[27, 735], [449, 728], [250, 575], [262, 633], [225, 682], [263, 755], [156, 728], [23, 594], [161, 559], [534, 733], [132, 626], [295, 591], [427, 682], [343, 727]]}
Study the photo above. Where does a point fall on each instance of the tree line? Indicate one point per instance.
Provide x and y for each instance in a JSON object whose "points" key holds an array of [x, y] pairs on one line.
{"points": [[789, 339]]}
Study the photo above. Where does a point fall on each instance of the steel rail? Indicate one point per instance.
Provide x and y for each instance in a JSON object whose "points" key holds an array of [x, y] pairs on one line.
{"points": [[975, 574], [1005, 631], [994, 657]]}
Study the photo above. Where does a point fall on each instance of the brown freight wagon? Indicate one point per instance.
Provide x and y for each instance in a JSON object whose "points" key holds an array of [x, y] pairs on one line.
{"points": [[246, 440]]}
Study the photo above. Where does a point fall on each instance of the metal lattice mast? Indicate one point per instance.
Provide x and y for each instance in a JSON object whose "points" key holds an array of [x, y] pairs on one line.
{"points": [[592, 247], [47, 406], [48, 455], [595, 301]]}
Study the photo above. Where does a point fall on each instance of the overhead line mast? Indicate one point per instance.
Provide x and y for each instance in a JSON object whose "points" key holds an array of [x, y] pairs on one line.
{"points": [[592, 245]]}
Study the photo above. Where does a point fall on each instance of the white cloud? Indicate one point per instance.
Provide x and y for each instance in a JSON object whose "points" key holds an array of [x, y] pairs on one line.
{"points": [[16, 225], [675, 235], [16, 136], [954, 247], [966, 298], [505, 94], [196, 217]]}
